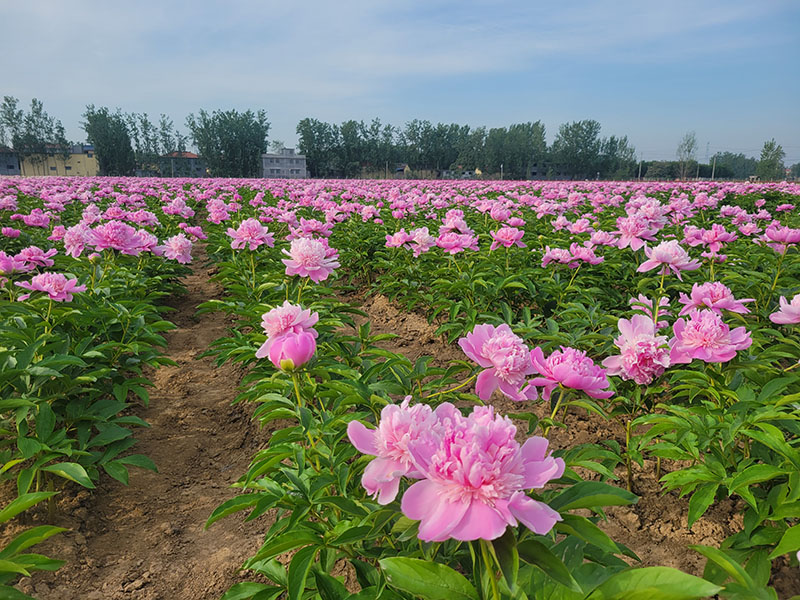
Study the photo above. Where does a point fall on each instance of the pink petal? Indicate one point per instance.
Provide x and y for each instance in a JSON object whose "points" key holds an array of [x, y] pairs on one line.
{"points": [[536, 516], [362, 438]]}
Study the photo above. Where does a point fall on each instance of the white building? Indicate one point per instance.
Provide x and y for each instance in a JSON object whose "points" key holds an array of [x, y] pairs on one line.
{"points": [[284, 165]]}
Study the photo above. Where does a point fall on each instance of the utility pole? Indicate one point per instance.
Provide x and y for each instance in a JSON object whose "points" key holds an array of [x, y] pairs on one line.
{"points": [[501, 171], [697, 173], [713, 167], [640, 167]]}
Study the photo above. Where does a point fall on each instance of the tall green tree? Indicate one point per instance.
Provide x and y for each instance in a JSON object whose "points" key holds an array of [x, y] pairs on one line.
{"points": [[231, 142], [576, 149], [108, 133], [770, 165], [686, 153], [736, 166], [34, 134], [617, 158], [318, 141]]}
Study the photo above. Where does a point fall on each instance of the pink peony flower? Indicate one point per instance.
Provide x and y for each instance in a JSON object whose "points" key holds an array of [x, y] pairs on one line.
{"points": [[507, 237], [310, 258], [713, 295], [250, 233], [178, 247], [453, 243], [585, 253], [474, 476], [10, 232], [283, 319], [707, 338], [75, 239], [569, 368], [505, 359], [633, 231], [55, 285], [36, 257], [12, 264], [398, 239], [558, 255], [643, 355], [292, 350], [399, 427], [668, 255], [421, 240], [789, 312], [115, 235]]}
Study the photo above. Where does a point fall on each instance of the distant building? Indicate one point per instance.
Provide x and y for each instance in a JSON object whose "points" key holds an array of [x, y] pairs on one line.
{"points": [[285, 165], [181, 164], [79, 161], [9, 162]]}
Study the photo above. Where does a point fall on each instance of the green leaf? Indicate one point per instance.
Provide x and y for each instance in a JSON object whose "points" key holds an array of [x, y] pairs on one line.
{"points": [[231, 506], [248, 589], [701, 500], [536, 553], [10, 593], [298, 571], [116, 470], [505, 550], [654, 583], [72, 471], [755, 474], [29, 538], [352, 535], [45, 422], [9, 566], [427, 580], [139, 460], [726, 563], [284, 543], [592, 494], [790, 542], [329, 587], [22, 503]]}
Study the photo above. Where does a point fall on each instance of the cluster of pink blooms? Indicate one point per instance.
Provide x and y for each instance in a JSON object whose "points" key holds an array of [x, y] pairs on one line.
{"points": [[472, 474], [573, 256], [507, 363], [309, 257], [291, 337]]}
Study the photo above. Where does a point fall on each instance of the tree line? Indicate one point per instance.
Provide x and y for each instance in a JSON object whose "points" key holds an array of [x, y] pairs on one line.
{"points": [[518, 151], [231, 144]]}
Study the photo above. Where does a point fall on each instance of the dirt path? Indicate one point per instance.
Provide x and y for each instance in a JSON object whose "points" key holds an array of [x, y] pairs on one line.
{"points": [[146, 540]]}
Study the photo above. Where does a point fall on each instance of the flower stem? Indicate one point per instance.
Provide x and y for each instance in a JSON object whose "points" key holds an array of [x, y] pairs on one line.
{"points": [[296, 381], [490, 573], [546, 430], [458, 387]]}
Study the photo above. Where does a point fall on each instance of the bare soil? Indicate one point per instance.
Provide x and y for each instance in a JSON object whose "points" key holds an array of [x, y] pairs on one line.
{"points": [[146, 540], [655, 528]]}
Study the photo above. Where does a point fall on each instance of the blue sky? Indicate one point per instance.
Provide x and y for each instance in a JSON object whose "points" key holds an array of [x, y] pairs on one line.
{"points": [[729, 70]]}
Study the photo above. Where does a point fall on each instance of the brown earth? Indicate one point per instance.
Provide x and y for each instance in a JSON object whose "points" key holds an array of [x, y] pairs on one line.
{"points": [[655, 528], [146, 540]]}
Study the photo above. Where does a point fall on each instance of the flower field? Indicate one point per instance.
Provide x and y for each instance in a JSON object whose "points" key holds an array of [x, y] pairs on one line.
{"points": [[595, 349]]}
